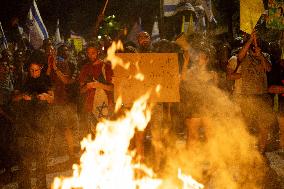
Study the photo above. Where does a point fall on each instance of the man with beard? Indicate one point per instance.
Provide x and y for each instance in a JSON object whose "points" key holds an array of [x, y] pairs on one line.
{"points": [[144, 42], [96, 79]]}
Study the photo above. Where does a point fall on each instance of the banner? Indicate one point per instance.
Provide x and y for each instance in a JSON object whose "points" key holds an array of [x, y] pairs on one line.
{"points": [[275, 14], [157, 68]]}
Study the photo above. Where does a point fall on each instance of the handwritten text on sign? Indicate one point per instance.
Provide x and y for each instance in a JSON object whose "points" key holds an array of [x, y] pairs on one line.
{"points": [[158, 69]]}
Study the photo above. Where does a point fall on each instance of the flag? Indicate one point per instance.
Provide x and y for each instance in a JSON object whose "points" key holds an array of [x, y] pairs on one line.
{"points": [[132, 36], [3, 39], [170, 7], [184, 26], [250, 12], [155, 31], [58, 39], [37, 29], [190, 28], [207, 6]]}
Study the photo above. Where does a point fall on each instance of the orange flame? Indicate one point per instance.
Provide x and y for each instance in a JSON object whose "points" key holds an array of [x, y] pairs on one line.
{"points": [[107, 162]]}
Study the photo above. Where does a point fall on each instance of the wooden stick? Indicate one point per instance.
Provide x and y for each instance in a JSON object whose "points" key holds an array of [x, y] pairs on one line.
{"points": [[104, 9], [100, 18]]}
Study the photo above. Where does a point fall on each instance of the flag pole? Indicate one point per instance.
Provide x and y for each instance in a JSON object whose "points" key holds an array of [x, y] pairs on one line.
{"points": [[162, 20], [4, 38], [100, 18]]}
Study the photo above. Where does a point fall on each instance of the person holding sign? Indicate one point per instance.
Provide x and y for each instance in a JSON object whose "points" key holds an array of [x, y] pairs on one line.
{"points": [[96, 87]]}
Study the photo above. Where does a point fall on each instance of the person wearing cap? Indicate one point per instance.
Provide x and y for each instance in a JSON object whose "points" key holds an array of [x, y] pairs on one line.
{"points": [[248, 69]]}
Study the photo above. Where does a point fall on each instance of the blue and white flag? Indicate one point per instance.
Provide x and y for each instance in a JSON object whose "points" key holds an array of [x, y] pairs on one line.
{"points": [[170, 7], [57, 39], [3, 40], [155, 31], [37, 29]]}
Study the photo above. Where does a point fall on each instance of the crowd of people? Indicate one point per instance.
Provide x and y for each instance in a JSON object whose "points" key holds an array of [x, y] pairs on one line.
{"points": [[53, 90]]}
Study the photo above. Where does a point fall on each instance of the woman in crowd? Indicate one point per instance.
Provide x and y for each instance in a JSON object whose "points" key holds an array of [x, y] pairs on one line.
{"points": [[195, 82], [33, 129]]}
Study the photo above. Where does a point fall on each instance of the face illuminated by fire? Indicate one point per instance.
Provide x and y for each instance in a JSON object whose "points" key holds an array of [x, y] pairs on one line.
{"points": [[144, 39], [92, 54], [35, 70], [203, 58]]}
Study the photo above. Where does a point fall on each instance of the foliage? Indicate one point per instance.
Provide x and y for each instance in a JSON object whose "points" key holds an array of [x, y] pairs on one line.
{"points": [[110, 26]]}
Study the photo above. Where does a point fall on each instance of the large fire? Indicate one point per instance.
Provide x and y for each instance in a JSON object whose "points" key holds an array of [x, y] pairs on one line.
{"points": [[107, 162]]}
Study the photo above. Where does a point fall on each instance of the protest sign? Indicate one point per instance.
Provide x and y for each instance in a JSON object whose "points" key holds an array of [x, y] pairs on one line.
{"points": [[158, 69]]}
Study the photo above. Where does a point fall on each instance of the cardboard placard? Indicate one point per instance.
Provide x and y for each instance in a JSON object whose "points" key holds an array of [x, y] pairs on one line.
{"points": [[157, 69]]}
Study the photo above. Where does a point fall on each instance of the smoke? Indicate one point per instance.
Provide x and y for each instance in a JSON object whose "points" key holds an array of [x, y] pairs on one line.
{"points": [[224, 155]]}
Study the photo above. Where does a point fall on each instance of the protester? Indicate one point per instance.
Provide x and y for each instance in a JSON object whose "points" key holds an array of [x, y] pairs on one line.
{"points": [[21, 72], [197, 106], [63, 74], [6, 77], [276, 87], [33, 128], [248, 69], [96, 75], [144, 42]]}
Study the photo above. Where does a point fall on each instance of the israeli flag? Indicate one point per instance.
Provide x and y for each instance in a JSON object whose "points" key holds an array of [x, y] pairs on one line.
{"points": [[37, 29], [58, 39], [170, 7], [155, 31], [3, 40]]}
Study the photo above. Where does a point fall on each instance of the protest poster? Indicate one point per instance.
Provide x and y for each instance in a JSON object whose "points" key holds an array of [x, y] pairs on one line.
{"points": [[145, 73]]}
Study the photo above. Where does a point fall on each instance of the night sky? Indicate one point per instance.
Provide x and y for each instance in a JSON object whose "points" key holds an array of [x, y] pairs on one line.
{"points": [[80, 15]]}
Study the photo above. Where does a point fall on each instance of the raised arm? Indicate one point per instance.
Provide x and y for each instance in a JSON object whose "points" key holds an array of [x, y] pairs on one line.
{"points": [[243, 52]]}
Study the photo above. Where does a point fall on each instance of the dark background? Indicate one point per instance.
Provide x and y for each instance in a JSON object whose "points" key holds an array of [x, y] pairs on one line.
{"points": [[80, 15]]}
